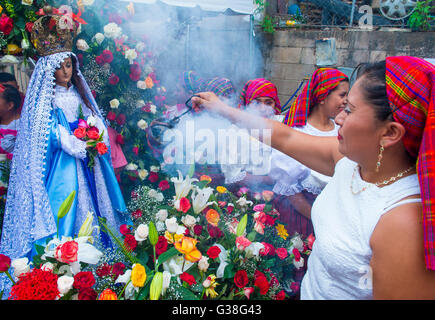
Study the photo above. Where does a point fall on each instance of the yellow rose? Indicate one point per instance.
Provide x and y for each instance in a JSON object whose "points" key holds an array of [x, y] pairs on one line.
{"points": [[221, 189], [138, 275], [187, 246]]}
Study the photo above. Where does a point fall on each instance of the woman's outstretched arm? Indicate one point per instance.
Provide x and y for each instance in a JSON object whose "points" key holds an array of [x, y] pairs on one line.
{"points": [[317, 153]]}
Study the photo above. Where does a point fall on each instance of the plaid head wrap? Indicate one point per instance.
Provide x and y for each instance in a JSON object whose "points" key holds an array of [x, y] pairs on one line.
{"points": [[257, 88], [411, 92], [322, 82], [220, 86]]}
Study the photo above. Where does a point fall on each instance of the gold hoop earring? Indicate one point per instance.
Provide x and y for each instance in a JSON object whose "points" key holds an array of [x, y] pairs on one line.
{"points": [[378, 164]]}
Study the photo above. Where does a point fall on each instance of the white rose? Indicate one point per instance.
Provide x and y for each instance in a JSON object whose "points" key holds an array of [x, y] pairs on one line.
{"points": [[25, 44], [142, 124], [140, 46], [20, 266], [154, 168], [131, 167], [141, 232], [188, 221], [99, 37], [112, 30], [162, 215], [142, 174], [140, 103], [27, 2], [297, 243], [65, 284], [159, 197], [92, 121], [171, 225], [130, 55], [114, 103], [82, 45], [203, 264], [153, 108], [88, 2], [298, 264], [48, 266], [141, 85]]}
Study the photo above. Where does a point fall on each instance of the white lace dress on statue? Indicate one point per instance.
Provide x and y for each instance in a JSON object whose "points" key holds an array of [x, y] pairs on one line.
{"points": [[309, 180], [339, 264]]}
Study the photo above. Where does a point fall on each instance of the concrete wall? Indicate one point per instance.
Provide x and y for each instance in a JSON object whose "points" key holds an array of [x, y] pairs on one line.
{"points": [[290, 55]]}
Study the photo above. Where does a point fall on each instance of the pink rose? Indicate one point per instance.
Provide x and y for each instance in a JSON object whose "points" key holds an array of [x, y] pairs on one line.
{"points": [[67, 252], [248, 291], [310, 241], [259, 207], [242, 243]]}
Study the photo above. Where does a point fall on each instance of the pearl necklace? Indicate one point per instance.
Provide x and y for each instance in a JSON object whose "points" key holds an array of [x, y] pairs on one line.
{"points": [[377, 184]]}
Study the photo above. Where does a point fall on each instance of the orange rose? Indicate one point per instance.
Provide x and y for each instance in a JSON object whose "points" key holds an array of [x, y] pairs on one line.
{"points": [[212, 217], [108, 295], [187, 246], [205, 178], [80, 132], [149, 83]]}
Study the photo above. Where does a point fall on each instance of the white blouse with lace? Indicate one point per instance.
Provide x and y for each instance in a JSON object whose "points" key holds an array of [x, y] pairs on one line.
{"points": [[339, 264]]}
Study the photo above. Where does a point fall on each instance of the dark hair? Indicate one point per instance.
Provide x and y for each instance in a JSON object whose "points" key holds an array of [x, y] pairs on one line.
{"points": [[375, 88], [11, 94], [76, 81], [6, 77]]}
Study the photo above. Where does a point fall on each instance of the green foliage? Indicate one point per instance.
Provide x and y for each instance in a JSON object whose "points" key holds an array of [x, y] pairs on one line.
{"points": [[421, 18]]}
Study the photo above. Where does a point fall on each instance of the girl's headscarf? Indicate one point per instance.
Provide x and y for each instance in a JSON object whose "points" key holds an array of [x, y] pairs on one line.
{"points": [[257, 88], [411, 92], [322, 82], [220, 86]]}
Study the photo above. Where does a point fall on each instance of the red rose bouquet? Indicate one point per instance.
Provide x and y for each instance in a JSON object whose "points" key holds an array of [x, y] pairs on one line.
{"points": [[87, 131]]}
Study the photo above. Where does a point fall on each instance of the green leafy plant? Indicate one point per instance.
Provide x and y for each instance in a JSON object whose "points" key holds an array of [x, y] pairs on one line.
{"points": [[421, 18]]}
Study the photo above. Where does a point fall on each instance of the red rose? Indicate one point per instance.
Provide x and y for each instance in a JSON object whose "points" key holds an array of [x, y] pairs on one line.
{"points": [[164, 185], [118, 269], [281, 253], [161, 246], [113, 79], [136, 214], [5, 263], [120, 139], [262, 283], [187, 278], [214, 232], [84, 279], [130, 242], [67, 252], [120, 119], [124, 229], [101, 148], [107, 56], [184, 205], [197, 229], [153, 177], [103, 270], [297, 254], [88, 294], [268, 249], [280, 295], [294, 286], [269, 220], [80, 132], [29, 26], [213, 252], [241, 278], [99, 60], [93, 133], [6, 24], [136, 150], [310, 241], [111, 116]]}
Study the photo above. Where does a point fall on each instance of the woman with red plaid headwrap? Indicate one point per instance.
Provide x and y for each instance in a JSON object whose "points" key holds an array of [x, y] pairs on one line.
{"points": [[374, 221]]}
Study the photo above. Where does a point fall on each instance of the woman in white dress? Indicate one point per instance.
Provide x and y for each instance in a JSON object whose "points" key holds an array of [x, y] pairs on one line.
{"points": [[372, 240]]}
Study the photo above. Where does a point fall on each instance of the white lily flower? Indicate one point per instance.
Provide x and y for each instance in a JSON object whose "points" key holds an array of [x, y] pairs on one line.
{"points": [[182, 186], [200, 199], [166, 281], [223, 255], [87, 229], [175, 265], [254, 249]]}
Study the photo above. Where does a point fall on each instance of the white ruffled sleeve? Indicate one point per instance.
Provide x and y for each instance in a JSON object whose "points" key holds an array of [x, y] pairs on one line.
{"points": [[287, 173], [315, 182], [71, 144]]}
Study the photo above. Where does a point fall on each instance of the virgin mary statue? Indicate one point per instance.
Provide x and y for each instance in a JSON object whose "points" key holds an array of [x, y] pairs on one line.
{"points": [[49, 160]]}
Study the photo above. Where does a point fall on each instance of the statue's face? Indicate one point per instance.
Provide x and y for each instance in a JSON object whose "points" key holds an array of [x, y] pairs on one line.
{"points": [[64, 73]]}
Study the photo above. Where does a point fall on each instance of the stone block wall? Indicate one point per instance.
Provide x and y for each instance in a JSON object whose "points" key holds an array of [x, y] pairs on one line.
{"points": [[290, 55]]}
